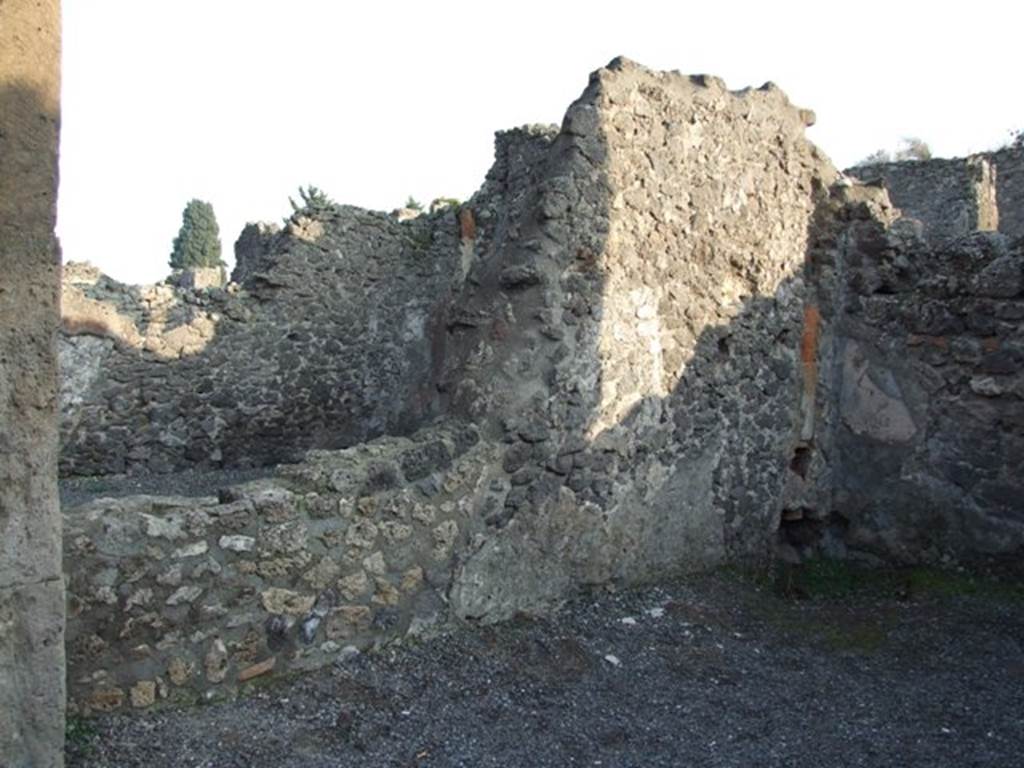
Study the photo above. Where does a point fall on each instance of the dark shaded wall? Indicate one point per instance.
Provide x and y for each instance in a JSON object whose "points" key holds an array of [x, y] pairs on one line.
{"points": [[931, 430], [922, 366]]}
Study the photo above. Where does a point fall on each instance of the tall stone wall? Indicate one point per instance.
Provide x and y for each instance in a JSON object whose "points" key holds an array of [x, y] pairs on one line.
{"points": [[637, 350], [31, 581], [330, 335], [928, 367]]}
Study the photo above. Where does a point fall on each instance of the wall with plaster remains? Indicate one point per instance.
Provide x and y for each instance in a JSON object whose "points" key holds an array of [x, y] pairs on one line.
{"points": [[621, 389], [664, 336], [917, 447], [930, 435]]}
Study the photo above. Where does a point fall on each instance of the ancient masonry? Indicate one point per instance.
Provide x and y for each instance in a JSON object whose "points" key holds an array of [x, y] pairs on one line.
{"points": [[664, 336], [31, 582], [952, 198]]}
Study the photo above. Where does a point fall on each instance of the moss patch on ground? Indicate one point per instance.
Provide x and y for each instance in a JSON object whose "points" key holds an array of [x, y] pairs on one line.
{"points": [[79, 734], [850, 608], [840, 579]]}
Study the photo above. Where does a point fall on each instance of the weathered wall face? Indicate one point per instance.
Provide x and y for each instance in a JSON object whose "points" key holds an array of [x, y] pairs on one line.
{"points": [[638, 351], [659, 338], [931, 412], [950, 198], [330, 337], [918, 443], [953, 198], [1009, 163], [31, 583], [623, 388], [926, 364], [176, 598]]}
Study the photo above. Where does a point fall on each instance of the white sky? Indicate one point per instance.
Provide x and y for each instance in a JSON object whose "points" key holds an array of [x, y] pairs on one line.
{"points": [[238, 102]]}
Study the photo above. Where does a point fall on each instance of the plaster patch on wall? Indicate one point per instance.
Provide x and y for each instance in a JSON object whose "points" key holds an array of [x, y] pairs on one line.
{"points": [[872, 402]]}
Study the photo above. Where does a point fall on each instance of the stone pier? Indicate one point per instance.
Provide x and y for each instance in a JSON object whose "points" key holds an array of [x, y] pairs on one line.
{"points": [[31, 582]]}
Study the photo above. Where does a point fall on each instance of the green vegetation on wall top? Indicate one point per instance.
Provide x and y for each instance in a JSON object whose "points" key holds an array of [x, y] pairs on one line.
{"points": [[314, 201]]}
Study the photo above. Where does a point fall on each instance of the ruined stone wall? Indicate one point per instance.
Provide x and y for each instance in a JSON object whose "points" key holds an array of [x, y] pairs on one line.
{"points": [[330, 336], [918, 441], [31, 582], [1009, 163], [927, 368], [621, 392], [638, 348], [661, 337], [950, 198], [182, 598], [930, 434]]}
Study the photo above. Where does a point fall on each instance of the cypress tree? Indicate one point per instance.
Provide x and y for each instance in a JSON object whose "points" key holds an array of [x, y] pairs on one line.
{"points": [[198, 240]]}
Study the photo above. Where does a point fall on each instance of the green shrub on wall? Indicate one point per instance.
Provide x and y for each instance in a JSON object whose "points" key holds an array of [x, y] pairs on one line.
{"points": [[314, 201]]}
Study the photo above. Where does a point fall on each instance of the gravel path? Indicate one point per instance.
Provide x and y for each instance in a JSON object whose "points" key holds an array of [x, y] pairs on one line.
{"points": [[709, 671]]}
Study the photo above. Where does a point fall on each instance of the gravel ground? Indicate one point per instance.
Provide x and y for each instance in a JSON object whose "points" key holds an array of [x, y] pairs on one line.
{"points": [[717, 670], [79, 490]]}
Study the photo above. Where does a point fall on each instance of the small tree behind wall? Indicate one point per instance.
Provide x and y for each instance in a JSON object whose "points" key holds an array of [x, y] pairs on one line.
{"points": [[198, 240], [913, 148]]}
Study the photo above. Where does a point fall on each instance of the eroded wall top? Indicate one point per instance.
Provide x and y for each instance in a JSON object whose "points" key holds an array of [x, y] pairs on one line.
{"points": [[956, 197], [330, 335]]}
